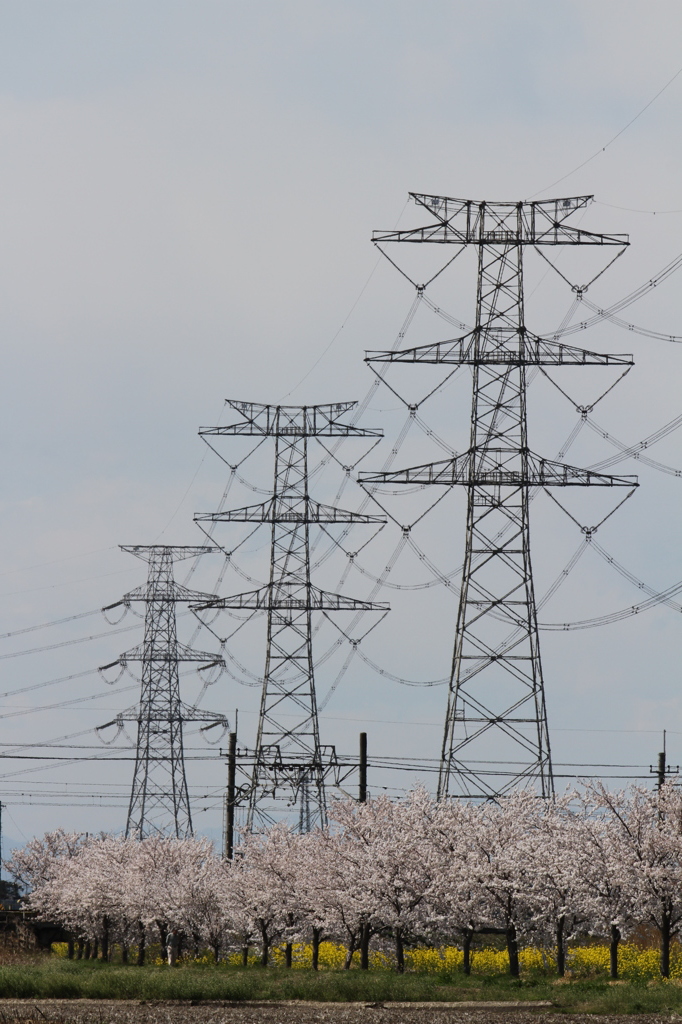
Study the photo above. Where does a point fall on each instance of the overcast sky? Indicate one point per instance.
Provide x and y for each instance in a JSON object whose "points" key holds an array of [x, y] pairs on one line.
{"points": [[187, 196]]}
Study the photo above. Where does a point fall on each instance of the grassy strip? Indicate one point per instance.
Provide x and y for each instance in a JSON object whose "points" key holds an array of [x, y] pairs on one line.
{"points": [[59, 979]]}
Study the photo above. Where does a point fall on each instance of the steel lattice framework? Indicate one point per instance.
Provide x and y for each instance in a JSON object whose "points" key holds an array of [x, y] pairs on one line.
{"points": [[496, 707], [288, 755], [159, 800]]}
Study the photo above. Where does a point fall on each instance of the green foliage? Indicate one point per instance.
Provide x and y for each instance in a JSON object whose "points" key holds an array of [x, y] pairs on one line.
{"points": [[63, 979]]}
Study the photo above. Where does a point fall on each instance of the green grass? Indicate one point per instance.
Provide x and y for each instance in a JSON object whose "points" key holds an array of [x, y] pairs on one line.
{"points": [[56, 978]]}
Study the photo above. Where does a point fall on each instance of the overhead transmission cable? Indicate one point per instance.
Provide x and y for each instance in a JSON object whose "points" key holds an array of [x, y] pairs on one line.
{"points": [[609, 312], [439, 578], [618, 134], [598, 620], [68, 643], [53, 622], [50, 682]]}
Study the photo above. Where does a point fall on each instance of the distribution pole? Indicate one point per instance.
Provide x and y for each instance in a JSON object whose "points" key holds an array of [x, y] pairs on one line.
{"points": [[362, 794], [230, 797], [289, 758], [496, 736], [663, 769], [159, 799]]}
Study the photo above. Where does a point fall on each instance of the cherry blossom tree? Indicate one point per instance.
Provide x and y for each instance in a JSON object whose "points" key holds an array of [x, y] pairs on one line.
{"points": [[415, 870], [649, 826], [387, 843], [458, 900], [41, 859], [606, 886], [557, 847], [344, 904], [256, 890], [504, 837], [310, 874]]}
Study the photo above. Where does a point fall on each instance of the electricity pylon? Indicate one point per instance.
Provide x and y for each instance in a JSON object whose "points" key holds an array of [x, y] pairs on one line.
{"points": [[159, 800], [496, 706], [288, 754]]}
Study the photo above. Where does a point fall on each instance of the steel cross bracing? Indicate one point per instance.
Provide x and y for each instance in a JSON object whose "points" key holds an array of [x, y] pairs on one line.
{"points": [[288, 755], [159, 802], [496, 705]]}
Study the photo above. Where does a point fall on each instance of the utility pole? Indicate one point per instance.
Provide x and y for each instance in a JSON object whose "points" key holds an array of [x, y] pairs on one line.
{"points": [[159, 799], [362, 789], [289, 759], [662, 769], [496, 736], [230, 796]]}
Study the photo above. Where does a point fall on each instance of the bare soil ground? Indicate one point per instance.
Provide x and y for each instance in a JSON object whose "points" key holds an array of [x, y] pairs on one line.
{"points": [[65, 1011]]}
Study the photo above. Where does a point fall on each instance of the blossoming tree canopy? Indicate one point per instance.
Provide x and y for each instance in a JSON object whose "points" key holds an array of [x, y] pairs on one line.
{"points": [[411, 872]]}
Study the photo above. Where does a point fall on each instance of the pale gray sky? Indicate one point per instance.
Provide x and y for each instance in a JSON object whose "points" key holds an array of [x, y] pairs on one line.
{"points": [[187, 194]]}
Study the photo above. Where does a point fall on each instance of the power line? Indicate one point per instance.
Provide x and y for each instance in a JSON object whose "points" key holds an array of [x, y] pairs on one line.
{"points": [[65, 583], [54, 622], [69, 643], [618, 134], [67, 703], [50, 682], [74, 760], [631, 209]]}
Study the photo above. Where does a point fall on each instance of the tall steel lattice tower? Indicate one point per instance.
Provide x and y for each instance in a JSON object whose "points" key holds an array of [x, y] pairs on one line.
{"points": [[159, 799], [496, 736], [288, 756]]}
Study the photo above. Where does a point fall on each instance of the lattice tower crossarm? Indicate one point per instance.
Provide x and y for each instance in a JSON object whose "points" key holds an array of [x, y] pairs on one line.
{"points": [[496, 736], [159, 799], [288, 756]]}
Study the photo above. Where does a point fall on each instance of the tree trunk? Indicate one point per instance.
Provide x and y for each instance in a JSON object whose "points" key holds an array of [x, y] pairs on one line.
{"points": [[79, 949], [560, 947], [365, 936], [289, 947], [105, 938], [665, 944], [141, 944], [467, 939], [317, 938], [265, 953], [399, 951], [163, 932], [124, 952], [216, 951], [245, 955], [512, 950], [95, 949], [69, 947], [352, 946], [613, 952], [87, 949]]}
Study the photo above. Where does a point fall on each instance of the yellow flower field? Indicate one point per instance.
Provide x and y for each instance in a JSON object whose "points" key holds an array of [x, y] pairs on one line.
{"points": [[635, 962]]}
